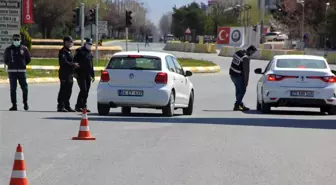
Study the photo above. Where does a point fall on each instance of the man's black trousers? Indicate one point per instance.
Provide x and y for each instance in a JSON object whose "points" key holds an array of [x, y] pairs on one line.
{"points": [[84, 84], [20, 77], [64, 94]]}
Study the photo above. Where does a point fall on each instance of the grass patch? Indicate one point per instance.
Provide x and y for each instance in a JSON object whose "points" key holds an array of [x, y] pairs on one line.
{"points": [[185, 62], [36, 73]]}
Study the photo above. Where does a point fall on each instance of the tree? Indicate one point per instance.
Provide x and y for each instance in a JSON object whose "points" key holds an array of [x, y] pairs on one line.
{"points": [[49, 14], [165, 24], [191, 16]]}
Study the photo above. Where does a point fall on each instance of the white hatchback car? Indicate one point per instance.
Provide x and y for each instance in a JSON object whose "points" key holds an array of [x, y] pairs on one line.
{"points": [[145, 80], [297, 81]]}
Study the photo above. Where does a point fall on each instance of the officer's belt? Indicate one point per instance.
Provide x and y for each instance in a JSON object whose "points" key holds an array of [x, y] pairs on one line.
{"points": [[16, 70], [235, 70]]}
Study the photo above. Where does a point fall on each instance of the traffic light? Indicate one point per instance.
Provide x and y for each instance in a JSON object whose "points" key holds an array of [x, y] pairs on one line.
{"points": [[76, 16], [92, 16], [128, 18]]}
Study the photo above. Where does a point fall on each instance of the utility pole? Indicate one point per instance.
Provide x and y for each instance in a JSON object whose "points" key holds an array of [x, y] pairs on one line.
{"points": [[97, 33], [262, 8], [82, 19]]}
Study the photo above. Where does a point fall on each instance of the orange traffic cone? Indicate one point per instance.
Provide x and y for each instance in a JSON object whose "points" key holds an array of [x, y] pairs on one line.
{"points": [[84, 130], [19, 175]]}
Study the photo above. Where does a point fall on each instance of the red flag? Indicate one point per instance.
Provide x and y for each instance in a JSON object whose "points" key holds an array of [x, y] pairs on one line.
{"points": [[28, 12], [223, 35]]}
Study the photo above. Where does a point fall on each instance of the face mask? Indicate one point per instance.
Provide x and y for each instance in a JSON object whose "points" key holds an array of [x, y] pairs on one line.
{"points": [[16, 43], [71, 44], [88, 47]]}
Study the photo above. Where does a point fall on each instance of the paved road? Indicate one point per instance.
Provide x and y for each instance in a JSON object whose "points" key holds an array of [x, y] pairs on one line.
{"points": [[214, 146]]}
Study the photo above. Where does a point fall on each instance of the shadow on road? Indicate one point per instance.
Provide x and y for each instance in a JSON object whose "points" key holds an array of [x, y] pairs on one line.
{"points": [[261, 122], [289, 113]]}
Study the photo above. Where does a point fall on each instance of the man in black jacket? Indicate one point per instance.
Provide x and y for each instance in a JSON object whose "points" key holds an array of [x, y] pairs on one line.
{"points": [[239, 73], [84, 74], [16, 57], [66, 74]]}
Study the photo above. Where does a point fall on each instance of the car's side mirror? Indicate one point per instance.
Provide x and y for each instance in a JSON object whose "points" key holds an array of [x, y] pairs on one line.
{"points": [[188, 73], [333, 71], [258, 71]]}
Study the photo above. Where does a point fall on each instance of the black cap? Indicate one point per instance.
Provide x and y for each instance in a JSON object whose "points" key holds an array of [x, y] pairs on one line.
{"points": [[67, 38], [252, 48], [88, 41]]}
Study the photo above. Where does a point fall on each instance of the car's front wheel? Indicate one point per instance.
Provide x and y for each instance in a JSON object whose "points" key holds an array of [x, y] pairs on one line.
{"points": [[168, 110], [189, 109], [103, 109]]}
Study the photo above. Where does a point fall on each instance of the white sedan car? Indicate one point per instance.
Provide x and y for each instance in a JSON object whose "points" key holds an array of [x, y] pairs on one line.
{"points": [[297, 81], [145, 80]]}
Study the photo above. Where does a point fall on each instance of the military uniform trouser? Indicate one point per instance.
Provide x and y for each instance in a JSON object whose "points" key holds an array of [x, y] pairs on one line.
{"points": [[20, 77], [64, 94], [84, 84]]}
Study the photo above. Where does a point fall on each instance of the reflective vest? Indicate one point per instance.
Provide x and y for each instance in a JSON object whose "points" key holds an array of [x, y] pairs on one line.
{"points": [[237, 63]]}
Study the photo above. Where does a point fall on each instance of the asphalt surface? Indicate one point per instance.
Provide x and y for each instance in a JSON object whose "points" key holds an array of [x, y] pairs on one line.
{"points": [[213, 146]]}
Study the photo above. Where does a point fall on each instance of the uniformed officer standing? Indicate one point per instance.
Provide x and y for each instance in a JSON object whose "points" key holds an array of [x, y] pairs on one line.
{"points": [[16, 57], [239, 73], [84, 74], [66, 74]]}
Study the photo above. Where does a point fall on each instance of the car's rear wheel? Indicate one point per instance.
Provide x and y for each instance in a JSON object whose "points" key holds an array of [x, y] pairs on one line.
{"points": [[258, 105], [324, 109], [103, 109], [168, 110], [332, 110], [190, 108], [265, 108], [126, 111]]}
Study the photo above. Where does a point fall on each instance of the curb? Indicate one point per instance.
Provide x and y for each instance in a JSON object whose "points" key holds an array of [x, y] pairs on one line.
{"points": [[214, 69], [207, 69]]}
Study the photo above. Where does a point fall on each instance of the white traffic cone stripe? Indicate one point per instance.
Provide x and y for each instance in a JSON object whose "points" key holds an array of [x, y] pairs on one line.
{"points": [[19, 174], [84, 128], [19, 156], [84, 116]]}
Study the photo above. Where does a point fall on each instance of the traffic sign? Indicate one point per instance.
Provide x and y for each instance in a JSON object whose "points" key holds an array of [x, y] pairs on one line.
{"points": [[102, 27], [187, 31], [10, 23]]}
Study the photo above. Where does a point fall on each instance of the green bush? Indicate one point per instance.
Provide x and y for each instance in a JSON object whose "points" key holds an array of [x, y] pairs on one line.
{"points": [[26, 39]]}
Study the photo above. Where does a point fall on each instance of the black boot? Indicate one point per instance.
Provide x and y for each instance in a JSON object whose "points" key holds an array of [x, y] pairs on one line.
{"points": [[25, 106], [13, 108], [69, 109], [238, 107], [244, 107]]}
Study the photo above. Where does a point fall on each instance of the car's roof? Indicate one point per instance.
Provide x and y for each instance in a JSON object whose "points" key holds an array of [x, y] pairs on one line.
{"points": [[148, 53], [299, 57]]}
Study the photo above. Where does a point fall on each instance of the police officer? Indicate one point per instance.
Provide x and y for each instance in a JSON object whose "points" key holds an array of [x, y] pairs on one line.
{"points": [[84, 74], [16, 57], [239, 73], [66, 74]]}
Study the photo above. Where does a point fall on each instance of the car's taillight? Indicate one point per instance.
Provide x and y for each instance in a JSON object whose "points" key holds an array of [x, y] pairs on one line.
{"points": [[104, 77], [278, 77], [161, 78], [328, 79]]}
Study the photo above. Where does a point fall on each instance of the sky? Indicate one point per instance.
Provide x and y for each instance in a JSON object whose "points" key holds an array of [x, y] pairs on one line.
{"points": [[157, 8]]}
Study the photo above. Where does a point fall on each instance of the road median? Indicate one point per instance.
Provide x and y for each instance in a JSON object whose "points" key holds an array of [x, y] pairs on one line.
{"points": [[46, 70]]}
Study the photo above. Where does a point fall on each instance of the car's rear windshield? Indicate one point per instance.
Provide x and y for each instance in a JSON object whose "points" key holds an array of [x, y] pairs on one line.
{"points": [[135, 62], [301, 63]]}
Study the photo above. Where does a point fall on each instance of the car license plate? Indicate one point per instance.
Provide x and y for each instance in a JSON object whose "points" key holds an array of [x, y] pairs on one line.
{"points": [[130, 92], [302, 93]]}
